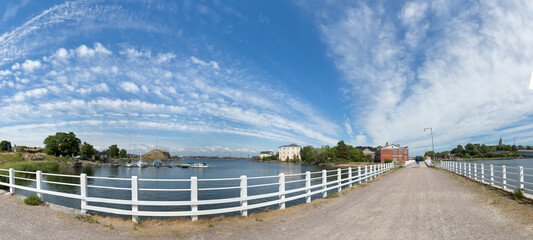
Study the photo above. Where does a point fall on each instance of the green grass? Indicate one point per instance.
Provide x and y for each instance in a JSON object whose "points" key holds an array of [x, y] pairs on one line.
{"points": [[87, 219], [518, 194], [333, 195], [32, 200], [33, 166], [11, 157]]}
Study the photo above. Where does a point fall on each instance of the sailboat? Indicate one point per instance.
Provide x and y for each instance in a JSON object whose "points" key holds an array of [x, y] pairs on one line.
{"points": [[141, 164]]}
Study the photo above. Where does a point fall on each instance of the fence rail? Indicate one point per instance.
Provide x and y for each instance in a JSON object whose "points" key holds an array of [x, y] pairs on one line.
{"points": [[498, 176], [341, 178]]}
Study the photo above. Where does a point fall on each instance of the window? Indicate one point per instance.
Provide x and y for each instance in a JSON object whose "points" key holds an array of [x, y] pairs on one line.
{"points": [[394, 151]]}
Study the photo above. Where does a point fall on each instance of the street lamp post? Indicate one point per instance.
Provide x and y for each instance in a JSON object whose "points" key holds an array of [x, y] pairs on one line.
{"points": [[432, 145]]}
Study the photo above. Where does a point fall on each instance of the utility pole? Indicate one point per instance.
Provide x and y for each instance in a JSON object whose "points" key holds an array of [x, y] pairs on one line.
{"points": [[432, 144]]}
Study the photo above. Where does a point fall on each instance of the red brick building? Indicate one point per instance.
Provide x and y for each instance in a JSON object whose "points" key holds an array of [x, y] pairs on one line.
{"points": [[393, 152]]}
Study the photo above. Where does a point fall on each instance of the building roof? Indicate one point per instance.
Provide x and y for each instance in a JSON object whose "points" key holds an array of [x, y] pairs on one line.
{"points": [[393, 146], [266, 152], [373, 149], [292, 145]]}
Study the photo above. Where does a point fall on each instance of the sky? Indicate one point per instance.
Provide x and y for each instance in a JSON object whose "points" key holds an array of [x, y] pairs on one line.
{"points": [[233, 78]]}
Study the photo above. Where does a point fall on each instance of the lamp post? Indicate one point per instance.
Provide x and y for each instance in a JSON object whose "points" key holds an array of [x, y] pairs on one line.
{"points": [[432, 145]]}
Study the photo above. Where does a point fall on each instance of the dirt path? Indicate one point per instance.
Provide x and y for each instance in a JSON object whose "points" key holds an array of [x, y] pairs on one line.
{"points": [[412, 203]]}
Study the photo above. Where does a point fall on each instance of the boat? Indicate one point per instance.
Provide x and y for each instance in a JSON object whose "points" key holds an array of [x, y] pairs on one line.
{"points": [[199, 165], [141, 164], [130, 165]]}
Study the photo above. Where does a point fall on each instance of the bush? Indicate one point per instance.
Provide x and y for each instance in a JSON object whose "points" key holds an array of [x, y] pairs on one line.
{"points": [[32, 200], [388, 160], [518, 194]]}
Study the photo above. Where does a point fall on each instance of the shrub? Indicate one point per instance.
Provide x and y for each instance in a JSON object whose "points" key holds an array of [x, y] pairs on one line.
{"points": [[32, 200], [518, 194], [388, 160]]}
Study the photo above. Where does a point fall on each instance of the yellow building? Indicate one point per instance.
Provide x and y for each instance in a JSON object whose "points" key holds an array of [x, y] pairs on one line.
{"points": [[289, 152]]}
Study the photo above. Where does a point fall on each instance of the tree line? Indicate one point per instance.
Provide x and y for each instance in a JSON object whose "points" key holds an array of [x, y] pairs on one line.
{"points": [[67, 144], [476, 150]]}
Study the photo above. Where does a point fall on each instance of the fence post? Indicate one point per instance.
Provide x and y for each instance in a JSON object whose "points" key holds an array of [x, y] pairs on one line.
{"points": [[475, 171], [491, 175], [339, 179], [359, 174], [482, 173], [134, 198], [350, 176], [282, 190], [11, 181], [464, 170], [83, 192], [324, 183], [521, 172], [194, 198], [38, 181], [307, 187], [366, 172], [244, 195], [504, 177]]}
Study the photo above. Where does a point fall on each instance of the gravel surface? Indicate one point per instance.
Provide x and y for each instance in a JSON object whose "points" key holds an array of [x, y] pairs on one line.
{"points": [[19, 221], [412, 203]]}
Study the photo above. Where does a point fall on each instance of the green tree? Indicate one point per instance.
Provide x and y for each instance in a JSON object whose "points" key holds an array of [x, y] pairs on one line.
{"points": [[307, 154], [122, 153], [66, 144], [113, 151], [87, 151], [356, 155], [5, 146], [342, 150]]}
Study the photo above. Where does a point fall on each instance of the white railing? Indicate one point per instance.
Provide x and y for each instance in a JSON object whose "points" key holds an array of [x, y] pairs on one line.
{"points": [[504, 177], [315, 183], [428, 162], [408, 163]]}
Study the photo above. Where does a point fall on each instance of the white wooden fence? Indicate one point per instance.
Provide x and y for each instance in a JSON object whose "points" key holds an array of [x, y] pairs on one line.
{"points": [[342, 178], [507, 178]]}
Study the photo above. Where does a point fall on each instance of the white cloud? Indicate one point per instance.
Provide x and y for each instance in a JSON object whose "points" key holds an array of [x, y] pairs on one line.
{"points": [[164, 57], [30, 65], [213, 64], [38, 92], [412, 12], [84, 51], [102, 87], [467, 80], [130, 87]]}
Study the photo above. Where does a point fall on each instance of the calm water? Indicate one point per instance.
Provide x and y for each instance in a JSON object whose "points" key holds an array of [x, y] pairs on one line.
{"points": [[512, 171], [218, 169]]}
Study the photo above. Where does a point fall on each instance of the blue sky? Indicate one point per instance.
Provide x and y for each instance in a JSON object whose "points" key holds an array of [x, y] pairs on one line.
{"points": [[238, 77]]}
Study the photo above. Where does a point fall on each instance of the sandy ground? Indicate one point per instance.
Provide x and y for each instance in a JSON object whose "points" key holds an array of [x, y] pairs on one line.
{"points": [[412, 203]]}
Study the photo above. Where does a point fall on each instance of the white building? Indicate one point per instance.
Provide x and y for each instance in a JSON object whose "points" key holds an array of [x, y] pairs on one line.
{"points": [[265, 154], [290, 152]]}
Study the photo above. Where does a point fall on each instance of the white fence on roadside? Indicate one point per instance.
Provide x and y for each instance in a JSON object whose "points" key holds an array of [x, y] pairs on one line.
{"points": [[342, 178], [428, 162], [505, 177], [408, 163]]}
